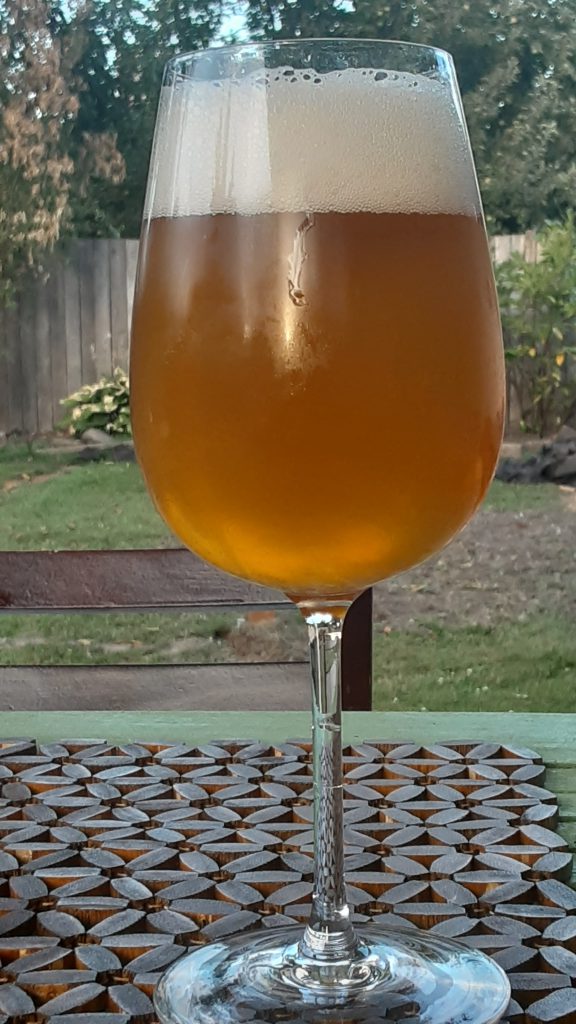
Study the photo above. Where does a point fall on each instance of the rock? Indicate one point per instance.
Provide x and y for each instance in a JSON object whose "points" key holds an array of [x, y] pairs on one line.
{"points": [[99, 437], [554, 463], [118, 453], [511, 450], [522, 471], [564, 470], [566, 434]]}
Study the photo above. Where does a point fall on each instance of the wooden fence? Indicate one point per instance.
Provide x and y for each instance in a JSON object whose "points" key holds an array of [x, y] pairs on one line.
{"points": [[74, 328], [65, 332], [503, 246]]}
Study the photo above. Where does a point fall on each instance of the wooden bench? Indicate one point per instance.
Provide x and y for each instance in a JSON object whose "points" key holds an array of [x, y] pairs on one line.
{"points": [[162, 580]]}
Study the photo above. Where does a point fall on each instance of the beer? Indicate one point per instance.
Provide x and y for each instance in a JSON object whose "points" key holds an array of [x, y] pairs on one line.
{"points": [[318, 391]]}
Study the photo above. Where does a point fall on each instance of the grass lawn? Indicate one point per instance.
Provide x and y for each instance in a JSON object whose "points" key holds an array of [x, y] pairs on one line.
{"points": [[50, 504], [46, 502], [19, 462], [515, 666], [105, 505], [521, 497], [98, 505]]}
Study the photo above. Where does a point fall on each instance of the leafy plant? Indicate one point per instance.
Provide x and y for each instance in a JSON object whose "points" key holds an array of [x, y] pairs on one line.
{"points": [[104, 405], [538, 306], [516, 69], [47, 151]]}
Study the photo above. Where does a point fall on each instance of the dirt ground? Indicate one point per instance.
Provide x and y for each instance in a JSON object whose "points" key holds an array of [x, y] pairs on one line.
{"points": [[505, 565]]}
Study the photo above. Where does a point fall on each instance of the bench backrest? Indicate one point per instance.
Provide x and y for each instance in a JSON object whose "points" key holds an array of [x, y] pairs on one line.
{"points": [[164, 580]]}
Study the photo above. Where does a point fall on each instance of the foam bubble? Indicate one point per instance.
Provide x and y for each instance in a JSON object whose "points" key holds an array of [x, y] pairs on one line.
{"points": [[288, 141]]}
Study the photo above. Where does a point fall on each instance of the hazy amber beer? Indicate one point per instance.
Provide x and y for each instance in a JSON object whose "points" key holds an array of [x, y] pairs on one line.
{"points": [[317, 379]]}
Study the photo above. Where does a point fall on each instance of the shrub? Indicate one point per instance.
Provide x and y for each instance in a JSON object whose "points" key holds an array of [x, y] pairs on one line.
{"points": [[538, 305], [104, 405]]}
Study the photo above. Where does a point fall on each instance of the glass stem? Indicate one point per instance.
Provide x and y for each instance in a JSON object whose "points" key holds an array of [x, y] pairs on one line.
{"points": [[329, 935]]}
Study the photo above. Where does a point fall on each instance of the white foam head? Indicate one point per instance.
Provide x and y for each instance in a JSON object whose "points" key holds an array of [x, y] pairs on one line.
{"points": [[285, 141]]}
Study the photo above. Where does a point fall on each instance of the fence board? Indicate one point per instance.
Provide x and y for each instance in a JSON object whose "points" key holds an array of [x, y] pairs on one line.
{"points": [[72, 329], [4, 376], [119, 305], [131, 265], [87, 326], [76, 327], [43, 358], [13, 354], [531, 249], [26, 317], [102, 315], [58, 339]]}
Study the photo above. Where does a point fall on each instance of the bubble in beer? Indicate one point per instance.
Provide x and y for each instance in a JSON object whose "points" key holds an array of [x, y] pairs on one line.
{"points": [[291, 141]]}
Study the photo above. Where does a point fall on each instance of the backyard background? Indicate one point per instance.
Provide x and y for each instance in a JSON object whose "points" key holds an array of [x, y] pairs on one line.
{"points": [[489, 623], [72, 327]]}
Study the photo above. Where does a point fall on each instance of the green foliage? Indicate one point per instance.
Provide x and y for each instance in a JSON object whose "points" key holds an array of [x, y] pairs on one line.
{"points": [[78, 94], [516, 64], [35, 169], [80, 86], [538, 304], [44, 157], [105, 405], [124, 47]]}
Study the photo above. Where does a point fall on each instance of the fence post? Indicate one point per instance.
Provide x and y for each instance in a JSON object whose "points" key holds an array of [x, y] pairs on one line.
{"points": [[357, 655]]}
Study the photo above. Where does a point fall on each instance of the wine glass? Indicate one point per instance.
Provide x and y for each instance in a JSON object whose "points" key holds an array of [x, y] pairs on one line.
{"points": [[317, 400]]}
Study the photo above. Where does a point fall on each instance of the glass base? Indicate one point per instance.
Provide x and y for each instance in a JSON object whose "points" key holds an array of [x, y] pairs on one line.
{"points": [[400, 976]]}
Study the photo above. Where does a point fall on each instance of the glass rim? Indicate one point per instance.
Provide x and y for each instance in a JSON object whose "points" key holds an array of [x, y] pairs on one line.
{"points": [[190, 55]]}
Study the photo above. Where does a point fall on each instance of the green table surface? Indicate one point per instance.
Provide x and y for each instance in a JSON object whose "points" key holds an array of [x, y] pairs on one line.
{"points": [[553, 736]]}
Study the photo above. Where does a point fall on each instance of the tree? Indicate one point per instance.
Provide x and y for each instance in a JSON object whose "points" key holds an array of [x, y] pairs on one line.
{"points": [[516, 62], [78, 95], [35, 169], [39, 107], [125, 46]]}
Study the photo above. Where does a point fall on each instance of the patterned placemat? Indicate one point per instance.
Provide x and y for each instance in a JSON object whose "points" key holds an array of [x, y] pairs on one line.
{"points": [[115, 859]]}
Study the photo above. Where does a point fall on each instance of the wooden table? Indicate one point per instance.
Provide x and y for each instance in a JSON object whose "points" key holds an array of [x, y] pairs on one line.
{"points": [[97, 903], [552, 735]]}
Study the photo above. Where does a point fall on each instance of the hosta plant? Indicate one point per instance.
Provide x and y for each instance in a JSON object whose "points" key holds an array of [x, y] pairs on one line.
{"points": [[104, 405]]}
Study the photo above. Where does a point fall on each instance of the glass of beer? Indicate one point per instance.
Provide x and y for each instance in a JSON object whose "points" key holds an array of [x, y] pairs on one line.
{"points": [[317, 401]]}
